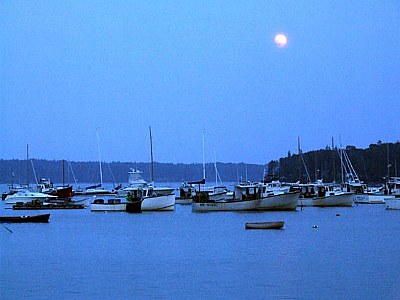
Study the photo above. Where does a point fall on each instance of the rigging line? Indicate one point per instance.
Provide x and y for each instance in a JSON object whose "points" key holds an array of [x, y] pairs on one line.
{"points": [[34, 172]]}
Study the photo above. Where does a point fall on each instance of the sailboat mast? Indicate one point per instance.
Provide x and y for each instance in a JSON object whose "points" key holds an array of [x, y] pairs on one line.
{"points": [[204, 164], [298, 158], [388, 164], [98, 147], [151, 154], [63, 183], [333, 162], [27, 165]]}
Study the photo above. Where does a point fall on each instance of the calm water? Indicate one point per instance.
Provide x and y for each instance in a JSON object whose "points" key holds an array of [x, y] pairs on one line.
{"points": [[86, 255]]}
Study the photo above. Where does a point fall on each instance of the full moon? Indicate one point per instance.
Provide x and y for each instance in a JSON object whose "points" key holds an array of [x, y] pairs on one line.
{"points": [[280, 40]]}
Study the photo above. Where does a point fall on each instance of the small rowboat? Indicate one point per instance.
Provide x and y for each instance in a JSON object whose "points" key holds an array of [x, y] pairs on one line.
{"points": [[265, 225], [25, 219]]}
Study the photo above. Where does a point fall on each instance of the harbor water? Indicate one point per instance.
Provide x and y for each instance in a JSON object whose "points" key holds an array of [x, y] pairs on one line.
{"points": [[321, 253]]}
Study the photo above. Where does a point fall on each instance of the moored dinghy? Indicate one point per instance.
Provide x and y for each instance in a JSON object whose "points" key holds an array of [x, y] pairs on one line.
{"points": [[25, 219], [265, 225]]}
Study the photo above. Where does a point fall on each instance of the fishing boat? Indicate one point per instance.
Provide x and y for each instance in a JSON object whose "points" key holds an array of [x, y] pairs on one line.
{"points": [[113, 204], [25, 219], [265, 225], [319, 194], [246, 197]]}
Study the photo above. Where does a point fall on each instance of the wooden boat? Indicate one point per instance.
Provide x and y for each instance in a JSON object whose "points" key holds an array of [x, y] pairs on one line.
{"points": [[265, 225], [25, 219]]}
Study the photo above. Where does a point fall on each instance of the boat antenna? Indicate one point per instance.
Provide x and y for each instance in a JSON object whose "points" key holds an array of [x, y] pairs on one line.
{"points": [[98, 147], [151, 155]]}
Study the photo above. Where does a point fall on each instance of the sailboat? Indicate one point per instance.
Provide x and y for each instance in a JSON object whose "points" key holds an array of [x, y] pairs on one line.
{"points": [[150, 197], [99, 188]]}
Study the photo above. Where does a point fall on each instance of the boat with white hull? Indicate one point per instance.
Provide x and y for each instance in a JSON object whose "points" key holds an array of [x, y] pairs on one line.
{"points": [[109, 205], [248, 197], [318, 194], [27, 196], [158, 203], [392, 203]]}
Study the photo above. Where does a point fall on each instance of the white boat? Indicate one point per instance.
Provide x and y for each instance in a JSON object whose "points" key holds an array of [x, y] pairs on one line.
{"points": [[152, 199], [26, 196], [269, 199], [319, 194], [136, 181], [393, 201], [246, 197], [112, 204], [365, 195]]}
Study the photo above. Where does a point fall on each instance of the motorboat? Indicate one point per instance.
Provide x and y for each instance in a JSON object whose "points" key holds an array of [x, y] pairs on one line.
{"points": [[247, 197], [111, 204], [25, 196], [320, 194]]}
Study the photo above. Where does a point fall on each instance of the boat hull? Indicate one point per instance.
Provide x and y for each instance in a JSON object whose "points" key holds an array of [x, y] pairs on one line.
{"points": [[344, 199], [284, 201], [159, 203], [392, 203], [108, 207], [265, 225], [370, 199], [26, 197], [183, 201], [243, 205], [25, 219]]}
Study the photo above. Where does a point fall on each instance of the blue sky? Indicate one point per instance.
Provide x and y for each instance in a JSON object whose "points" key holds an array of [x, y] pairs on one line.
{"points": [[181, 67]]}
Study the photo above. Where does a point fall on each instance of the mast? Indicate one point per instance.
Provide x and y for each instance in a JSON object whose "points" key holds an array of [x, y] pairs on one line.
{"points": [[333, 162], [216, 171], [388, 164], [204, 164], [98, 147], [27, 165], [151, 156], [298, 158], [63, 184]]}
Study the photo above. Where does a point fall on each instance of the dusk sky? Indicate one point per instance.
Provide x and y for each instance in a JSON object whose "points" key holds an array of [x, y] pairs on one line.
{"points": [[181, 67]]}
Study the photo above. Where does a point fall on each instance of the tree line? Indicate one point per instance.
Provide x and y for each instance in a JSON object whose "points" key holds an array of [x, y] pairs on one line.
{"points": [[69, 172], [372, 165]]}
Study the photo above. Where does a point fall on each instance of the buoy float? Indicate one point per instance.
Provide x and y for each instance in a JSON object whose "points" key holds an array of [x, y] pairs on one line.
{"points": [[315, 226]]}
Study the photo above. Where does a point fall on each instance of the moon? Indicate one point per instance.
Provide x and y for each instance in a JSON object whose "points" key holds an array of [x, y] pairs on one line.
{"points": [[280, 40]]}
